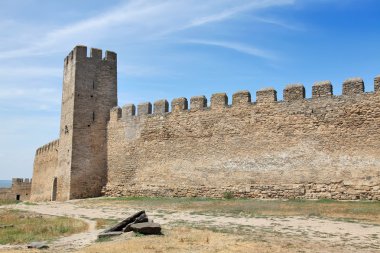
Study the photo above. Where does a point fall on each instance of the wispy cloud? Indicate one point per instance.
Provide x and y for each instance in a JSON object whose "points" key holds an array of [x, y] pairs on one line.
{"points": [[279, 23], [31, 99], [30, 71], [139, 19], [253, 51], [228, 13]]}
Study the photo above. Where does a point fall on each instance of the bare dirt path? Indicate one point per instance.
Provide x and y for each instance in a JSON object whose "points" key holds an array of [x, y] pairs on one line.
{"points": [[352, 237]]}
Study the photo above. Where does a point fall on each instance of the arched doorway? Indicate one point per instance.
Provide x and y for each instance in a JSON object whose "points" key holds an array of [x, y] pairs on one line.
{"points": [[54, 191]]}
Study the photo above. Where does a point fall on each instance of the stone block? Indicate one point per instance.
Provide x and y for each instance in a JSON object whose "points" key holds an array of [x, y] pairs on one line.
{"points": [[161, 106], [377, 84], [219, 100], [109, 234], [115, 113], [128, 110], [111, 56], [267, 95], [96, 54], [179, 104], [144, 108], [353, 86], [241, 98], [322, 89], [80, 53], [198, 102], [147, 228], [294, 92]]}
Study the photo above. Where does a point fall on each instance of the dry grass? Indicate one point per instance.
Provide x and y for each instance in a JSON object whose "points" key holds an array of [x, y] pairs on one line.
{"points": [[180, 240], [351, 210], [104, 223], [29, 227]]}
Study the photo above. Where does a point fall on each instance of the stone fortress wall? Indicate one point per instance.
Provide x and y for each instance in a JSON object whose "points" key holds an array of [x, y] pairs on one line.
{"points": [[323, 147], [44, 171], [20, 190]]}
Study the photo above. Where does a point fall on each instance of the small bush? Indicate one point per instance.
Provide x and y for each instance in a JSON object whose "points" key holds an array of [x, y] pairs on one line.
{"points": [[228, 195]]}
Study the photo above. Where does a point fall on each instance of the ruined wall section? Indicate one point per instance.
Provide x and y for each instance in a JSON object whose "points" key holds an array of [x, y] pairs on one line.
{"points": [[89, 92], [20, 190], [6, 194], [323, 147], [44, 171]]}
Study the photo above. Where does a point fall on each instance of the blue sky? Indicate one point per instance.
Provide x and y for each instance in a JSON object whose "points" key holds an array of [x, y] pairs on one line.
{"points": [[169, 49]]}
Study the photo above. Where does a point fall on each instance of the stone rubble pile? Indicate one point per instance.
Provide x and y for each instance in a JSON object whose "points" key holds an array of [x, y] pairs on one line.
{"points": [[138, 223]]}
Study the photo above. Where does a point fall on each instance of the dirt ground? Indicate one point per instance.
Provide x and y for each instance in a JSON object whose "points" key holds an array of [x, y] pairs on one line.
{"points": [[186, 230]]}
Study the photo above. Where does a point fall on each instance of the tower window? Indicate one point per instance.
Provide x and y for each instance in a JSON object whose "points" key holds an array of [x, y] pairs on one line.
{"points": [[93, 116]]}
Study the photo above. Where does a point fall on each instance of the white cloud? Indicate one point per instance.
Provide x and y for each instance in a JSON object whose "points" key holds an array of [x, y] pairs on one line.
{"points": [[250, 50]]}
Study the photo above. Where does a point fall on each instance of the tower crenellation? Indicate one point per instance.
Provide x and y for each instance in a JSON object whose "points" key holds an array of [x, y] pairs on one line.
{"points": [[294, 92], [241, 98], [128, 110], [322, 89], [161, 106], [267, 95], [377, 83], [144, 108], [179, 104], [219, 100], [353, 86], [198, 103]]}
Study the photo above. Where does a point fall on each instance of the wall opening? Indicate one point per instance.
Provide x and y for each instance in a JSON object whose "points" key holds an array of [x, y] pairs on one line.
{"points": [[17, 197], [54, 191]]}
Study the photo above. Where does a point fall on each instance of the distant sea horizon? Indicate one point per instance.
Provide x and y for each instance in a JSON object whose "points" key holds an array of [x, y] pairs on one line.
{"points": [[5, 183]]}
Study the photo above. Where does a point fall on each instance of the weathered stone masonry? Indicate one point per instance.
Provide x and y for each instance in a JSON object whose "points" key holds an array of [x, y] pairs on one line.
{"points": [[20, 190], [76, 165], [321, 147]]}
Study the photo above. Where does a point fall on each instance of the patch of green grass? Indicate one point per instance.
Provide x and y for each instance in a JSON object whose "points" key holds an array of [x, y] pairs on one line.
{"points": [[368, 211], [104, 239], [8, 202], [28, 227], [153, 199], [28, 203], [137, 234]]}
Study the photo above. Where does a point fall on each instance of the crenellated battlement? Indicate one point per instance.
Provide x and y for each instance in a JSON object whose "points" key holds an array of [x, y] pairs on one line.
{"points": [[79, 53], [291, 93], [51, 146], [20, 181]]}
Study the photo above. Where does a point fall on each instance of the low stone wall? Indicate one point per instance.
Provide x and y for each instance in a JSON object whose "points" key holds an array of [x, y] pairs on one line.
{"points": [[337, 191]]}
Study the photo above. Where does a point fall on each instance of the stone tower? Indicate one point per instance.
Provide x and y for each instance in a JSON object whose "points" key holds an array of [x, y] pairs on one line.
{"points": [[89, 92]]}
